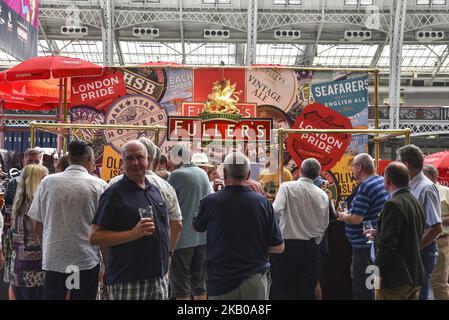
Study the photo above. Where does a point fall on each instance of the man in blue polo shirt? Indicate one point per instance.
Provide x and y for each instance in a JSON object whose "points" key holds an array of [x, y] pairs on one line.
{"points": [[241, 230], [368, 201], [132, 220]]}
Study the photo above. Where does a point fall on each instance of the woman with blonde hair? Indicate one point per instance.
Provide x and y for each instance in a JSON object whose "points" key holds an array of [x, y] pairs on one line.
{"points": [[26, 275]]}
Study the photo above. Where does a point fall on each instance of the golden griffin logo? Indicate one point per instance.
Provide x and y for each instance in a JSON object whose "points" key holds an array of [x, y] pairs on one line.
{"points": [[223, 98]]}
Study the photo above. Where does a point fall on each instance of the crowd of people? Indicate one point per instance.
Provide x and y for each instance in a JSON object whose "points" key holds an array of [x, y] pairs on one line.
{"points": [[180, 227]]}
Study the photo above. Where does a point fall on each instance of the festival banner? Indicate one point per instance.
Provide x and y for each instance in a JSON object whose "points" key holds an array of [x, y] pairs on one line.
{"points": [[19, 23], [98, 92], [326, 148]]}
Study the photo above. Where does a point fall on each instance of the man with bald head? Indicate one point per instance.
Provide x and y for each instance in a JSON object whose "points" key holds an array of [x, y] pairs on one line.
{"points": [[399, 232], [132, 220]]}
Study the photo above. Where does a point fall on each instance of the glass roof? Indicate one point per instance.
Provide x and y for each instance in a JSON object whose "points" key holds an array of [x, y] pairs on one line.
{"points": [[415, 58]]}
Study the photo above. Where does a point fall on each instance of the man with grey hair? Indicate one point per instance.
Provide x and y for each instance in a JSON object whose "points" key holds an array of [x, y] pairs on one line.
{"points": [[62, 211], [167, 192], [423, 189], [368, 201], [303, 210], [440, 273], [241, 230], [187, 270], [132, 220]]}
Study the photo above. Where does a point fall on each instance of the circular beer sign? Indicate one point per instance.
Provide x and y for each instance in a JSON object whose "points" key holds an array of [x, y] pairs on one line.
{"points": [[136, 110], [276, 87]]}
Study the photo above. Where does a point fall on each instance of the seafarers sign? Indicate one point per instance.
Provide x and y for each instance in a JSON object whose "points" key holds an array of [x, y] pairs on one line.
{"points": [[348, 97], [218, 128], [326, 148]]}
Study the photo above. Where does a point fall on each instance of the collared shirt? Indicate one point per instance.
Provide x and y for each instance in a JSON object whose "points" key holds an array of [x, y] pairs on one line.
{"points": [[270, 180], [395, 191], [444, 199], [120, 209], [240, 225], [423, 189], [65, 204], [368, 201], [303, 209], [167, 192], [191, 184]]}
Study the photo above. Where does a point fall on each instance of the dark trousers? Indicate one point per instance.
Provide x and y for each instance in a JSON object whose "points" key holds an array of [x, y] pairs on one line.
{"points": [[32, 293], [55, 287], [295, 272], [361, 259], [429, 259]]}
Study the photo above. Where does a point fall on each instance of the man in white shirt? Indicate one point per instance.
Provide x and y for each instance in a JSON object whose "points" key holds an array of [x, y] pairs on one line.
{"points": [[440, 273], [303, 212], [62, 211]]}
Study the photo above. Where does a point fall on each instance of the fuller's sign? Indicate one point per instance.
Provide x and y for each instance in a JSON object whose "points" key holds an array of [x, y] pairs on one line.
{"points": [[193, 109], [190, 128]]}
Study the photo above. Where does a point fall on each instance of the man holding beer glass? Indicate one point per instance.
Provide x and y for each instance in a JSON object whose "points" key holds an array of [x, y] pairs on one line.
{"points": [[132, 221]]}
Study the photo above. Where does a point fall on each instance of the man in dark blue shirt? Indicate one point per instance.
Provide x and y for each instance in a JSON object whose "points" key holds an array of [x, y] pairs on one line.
{"points": [[132, 220], [241, 231]]}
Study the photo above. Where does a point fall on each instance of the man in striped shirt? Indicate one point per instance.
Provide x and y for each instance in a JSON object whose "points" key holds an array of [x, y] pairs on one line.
{"points": [[366, 205]]}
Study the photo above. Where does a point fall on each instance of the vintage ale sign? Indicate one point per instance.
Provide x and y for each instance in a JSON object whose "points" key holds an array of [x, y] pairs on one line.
{"points": [[193, 109], [326, 148], [190, 128]]}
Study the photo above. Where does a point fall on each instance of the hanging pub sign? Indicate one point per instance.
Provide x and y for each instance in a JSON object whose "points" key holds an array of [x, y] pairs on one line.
{"points": [[220, 118], [326, 148]]}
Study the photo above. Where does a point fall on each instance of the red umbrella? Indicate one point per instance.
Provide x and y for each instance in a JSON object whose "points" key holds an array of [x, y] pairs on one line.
{"points": [[440, 161], [29, 94], [26, 102], [53, 67]]}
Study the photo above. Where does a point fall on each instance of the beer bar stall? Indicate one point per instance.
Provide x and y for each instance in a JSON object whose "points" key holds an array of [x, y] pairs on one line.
{"points": [[268, 112]]}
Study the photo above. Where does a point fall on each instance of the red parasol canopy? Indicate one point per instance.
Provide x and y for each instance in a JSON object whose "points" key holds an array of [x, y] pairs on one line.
{"points": [[26, 102], [440, 161], [53, 67], [29, 94]]}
